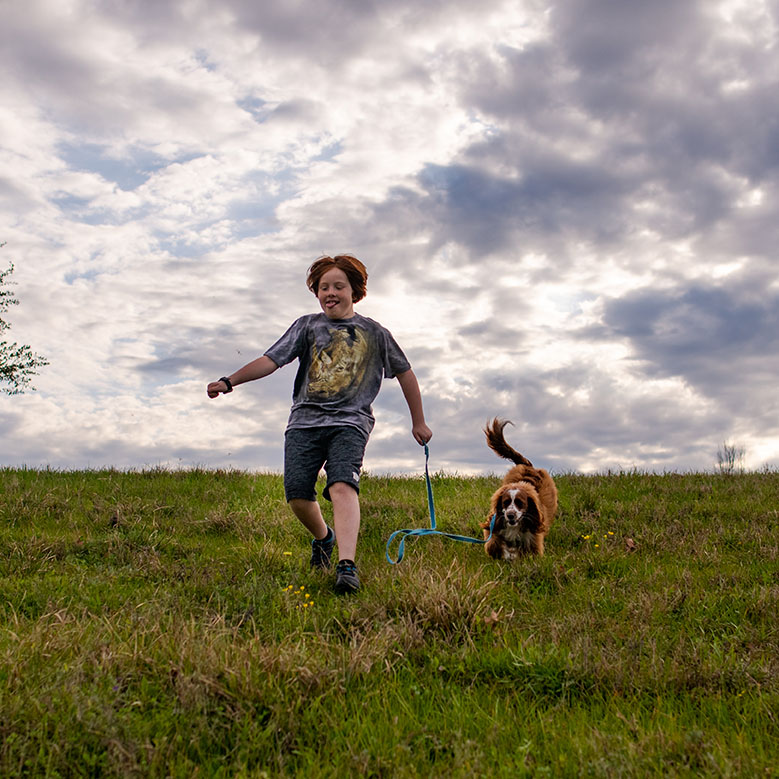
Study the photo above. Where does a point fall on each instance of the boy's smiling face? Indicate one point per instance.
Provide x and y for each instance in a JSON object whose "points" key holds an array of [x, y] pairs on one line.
{"points": [[335, 294]]}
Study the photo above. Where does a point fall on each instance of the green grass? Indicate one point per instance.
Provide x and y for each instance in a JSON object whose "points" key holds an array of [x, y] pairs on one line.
{"points": [[166, 624]]}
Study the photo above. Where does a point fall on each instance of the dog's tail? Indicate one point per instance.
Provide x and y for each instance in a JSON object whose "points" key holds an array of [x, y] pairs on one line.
{"points": [[497, 442]]}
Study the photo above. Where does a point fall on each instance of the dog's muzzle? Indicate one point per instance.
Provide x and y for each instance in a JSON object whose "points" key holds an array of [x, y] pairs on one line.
{"points": [[512, 517]]}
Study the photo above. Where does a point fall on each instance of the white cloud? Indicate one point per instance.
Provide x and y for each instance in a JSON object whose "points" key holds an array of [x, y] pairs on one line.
{"points": [[567, 222]]}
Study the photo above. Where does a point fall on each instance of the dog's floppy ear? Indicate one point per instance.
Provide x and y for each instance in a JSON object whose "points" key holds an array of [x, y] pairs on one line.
{"points": [[494, 505], [532, 520]]}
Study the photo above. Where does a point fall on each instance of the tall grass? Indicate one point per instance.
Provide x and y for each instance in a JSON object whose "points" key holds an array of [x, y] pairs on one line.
{"points": [[166, 624]]}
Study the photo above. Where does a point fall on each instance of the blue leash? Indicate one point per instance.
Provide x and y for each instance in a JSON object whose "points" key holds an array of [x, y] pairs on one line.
{"points": [[431, 531]]}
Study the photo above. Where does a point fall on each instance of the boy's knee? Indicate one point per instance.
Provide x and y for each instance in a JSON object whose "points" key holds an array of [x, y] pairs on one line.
{"points": [[343, 486], [341, 489], [300, 503]]}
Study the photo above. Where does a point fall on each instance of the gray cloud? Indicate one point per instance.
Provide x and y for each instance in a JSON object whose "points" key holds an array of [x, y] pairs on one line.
{"points": [[567, 209], [721, 339], [547, 200]]}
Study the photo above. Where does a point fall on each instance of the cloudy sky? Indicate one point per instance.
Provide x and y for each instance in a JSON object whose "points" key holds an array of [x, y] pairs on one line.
{"points": [[567, 209]]}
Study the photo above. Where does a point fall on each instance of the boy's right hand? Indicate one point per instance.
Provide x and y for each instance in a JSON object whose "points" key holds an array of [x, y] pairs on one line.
{"points": [[215, 388]]}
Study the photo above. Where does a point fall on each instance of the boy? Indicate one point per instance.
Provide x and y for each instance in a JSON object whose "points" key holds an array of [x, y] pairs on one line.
{"points": [[343, 358]]}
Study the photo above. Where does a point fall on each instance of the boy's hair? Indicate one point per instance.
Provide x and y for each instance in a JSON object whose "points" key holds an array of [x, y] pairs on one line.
{"points": [[355, 271]]}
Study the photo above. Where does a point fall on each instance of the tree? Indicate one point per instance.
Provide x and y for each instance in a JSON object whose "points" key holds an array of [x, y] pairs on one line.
{"points": [[730, 458], [17, 363]]}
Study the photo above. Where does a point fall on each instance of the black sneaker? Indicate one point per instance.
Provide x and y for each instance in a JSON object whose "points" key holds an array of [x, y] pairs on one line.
{"points": [[346, 579], [322, 549]]}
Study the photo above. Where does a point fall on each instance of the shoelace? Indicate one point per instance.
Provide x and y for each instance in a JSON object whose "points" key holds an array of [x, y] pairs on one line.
{"points": [[321, 550]]}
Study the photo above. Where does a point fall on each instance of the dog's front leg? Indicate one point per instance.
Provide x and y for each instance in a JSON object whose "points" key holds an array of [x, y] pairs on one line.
{"points": [[495, 548]]}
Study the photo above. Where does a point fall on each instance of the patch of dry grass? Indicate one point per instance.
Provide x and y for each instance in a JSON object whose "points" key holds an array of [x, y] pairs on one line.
{"points": [[166, 624]]}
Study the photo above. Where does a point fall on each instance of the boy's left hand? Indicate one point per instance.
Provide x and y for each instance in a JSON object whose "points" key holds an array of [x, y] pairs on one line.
{"points": [[422, 433]]}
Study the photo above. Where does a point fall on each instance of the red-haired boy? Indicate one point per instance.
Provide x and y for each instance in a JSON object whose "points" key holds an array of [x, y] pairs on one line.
{"points": [[343, 358]]}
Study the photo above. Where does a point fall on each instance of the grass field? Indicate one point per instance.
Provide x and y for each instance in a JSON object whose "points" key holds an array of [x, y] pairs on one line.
{"points": [[166, 624]]}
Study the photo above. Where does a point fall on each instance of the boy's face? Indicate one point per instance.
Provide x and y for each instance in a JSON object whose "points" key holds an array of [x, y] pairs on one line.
{"points": [[335, 294]]}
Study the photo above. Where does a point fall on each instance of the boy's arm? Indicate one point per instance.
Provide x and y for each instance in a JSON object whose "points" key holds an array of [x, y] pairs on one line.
{"points": [[410, 386], [256, 369]]}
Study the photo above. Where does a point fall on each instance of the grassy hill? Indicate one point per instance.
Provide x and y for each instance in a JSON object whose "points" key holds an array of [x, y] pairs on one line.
{"points": [[166, 624]]}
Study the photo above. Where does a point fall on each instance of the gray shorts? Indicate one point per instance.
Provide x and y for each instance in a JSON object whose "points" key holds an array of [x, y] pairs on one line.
{"points": [[339, 449]]}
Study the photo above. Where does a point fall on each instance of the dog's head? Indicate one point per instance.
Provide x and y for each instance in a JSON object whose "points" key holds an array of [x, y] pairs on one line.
{"points": [[516, 509]]}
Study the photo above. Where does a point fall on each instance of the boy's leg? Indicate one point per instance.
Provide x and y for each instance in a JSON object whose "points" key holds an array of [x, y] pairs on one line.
{"points": [[345, 454], [309, 513], [304, 455], [346, 518]]}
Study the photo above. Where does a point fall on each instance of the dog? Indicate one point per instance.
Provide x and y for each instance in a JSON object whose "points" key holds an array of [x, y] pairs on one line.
{"points": [[523, 507]]}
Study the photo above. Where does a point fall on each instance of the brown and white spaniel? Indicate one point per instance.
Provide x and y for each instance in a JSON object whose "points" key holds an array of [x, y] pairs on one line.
{"points": [[523, 508]]}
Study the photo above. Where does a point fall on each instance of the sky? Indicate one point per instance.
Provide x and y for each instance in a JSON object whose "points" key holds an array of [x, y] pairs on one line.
{"points": [[567, 210]]}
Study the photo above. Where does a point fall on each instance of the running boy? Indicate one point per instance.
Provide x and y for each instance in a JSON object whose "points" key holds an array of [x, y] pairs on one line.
{"points": [[343, 358]]}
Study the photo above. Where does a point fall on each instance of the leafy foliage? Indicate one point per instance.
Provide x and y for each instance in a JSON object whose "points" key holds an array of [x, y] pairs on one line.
{"points": [[17, 362]]}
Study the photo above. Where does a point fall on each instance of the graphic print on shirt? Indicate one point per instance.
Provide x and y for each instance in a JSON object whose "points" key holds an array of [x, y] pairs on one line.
{"points": [[338, 369]]}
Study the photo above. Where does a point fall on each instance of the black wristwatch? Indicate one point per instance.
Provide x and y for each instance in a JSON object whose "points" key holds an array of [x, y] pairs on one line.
{"points": [[228, 383]]}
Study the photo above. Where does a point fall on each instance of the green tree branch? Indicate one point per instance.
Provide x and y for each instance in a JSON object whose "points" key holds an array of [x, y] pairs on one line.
{"points": [[17, 363]]}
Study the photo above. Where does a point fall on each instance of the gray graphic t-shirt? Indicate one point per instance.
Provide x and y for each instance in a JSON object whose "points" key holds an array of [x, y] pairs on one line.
{"points": [[342, 363]]}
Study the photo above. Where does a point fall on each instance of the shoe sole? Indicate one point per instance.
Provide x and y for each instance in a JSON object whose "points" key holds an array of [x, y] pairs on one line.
{"points": [[343, 587]]}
